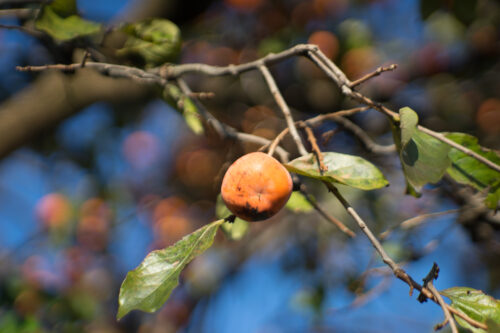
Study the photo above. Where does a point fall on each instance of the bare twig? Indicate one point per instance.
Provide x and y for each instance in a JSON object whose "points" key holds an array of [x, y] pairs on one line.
{"points": [[84, 58], [444, 306], [416, 221], [315, 148], [371, 75], [457, 146], [428, 283], [226, 131], [202, 95], [112, 70], [333, 72], [322, 212], [396, 269], [364, 137], [23, 2], [316, 121], [275, 143], [29, 31], [284, 108], [170, 71], [17, 12]]}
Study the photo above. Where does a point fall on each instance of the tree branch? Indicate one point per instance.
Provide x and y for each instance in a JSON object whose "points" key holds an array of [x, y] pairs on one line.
{"points": [[284, 108], [371, 75]]}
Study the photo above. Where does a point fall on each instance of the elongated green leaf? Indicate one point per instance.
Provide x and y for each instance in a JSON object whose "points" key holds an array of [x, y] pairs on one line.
{"points": [[148, 286], [467, 170], [344, 169], [233, 230], [476, 305], [173, 95], [423, 158], [298, 203], [65, 28], [154, 41]]}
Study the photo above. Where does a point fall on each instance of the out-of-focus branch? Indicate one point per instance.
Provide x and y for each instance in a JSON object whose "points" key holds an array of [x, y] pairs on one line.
{"points": [[364, 137], [371, 75], [324, 213], [17, 12], [52, 98]]}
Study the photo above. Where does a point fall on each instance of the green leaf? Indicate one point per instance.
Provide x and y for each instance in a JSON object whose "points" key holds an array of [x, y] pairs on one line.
{"points": [[65, 28], [298, 203], [344, 169], [173, 95], [476, 305], [423, 158], [148, 286], [467, 170], [235, 230], [153, 41]]}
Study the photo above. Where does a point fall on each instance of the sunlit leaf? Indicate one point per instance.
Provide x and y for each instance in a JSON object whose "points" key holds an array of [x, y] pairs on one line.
{"points": [[173, 95], [233, 230], [467, 170], [476, 305], [298, 203], [344, 169], [148, 286], [423, 158], [153, 41], [64, 28]]}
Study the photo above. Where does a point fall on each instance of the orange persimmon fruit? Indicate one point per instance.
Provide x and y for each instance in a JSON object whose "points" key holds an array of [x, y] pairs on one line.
{"points": [[256, 186]]}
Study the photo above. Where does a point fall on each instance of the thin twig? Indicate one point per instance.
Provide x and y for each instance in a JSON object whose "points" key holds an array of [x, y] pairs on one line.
{"points": [[226, 131], [428, 283], [396, 269], [364, 137], [416, 221], [371, 75], [284, 108], [17, 12], [315, 148], [333, 72], [84, 58], [23, 2], [275, 143], [457, 146], [170, 71], [29, 31], [202, 95], [447, 315], [112, 70], [324, 213], [315, 121]]}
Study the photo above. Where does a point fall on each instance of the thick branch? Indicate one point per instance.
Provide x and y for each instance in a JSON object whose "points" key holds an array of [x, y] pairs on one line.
{"points": [[52, 98]]}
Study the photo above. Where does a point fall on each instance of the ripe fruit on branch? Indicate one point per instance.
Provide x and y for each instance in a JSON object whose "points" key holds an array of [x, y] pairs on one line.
{"points": [[256, 186]]}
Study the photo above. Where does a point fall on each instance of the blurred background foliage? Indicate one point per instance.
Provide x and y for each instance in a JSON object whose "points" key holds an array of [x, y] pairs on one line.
{"points": [[88, 197]]}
